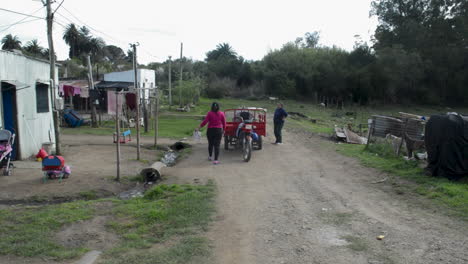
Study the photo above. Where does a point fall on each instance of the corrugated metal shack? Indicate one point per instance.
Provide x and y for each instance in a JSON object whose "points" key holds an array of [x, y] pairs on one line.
{"points": [[26, 102]]}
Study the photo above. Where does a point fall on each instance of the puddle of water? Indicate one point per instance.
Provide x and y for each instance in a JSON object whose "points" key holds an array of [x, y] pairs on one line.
{"points": [[170, 158], [135, 192]]}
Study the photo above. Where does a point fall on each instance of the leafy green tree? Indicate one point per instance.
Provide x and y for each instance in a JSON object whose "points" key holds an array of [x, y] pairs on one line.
{"points": [[10, 42], [34, 49], [72, 37]]}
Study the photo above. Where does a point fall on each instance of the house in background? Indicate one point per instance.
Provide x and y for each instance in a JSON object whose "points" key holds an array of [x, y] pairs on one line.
{"points": [[26, 102], [115, 81]]}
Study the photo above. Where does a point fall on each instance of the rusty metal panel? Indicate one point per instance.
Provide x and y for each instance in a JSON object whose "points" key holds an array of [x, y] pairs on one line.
{"points": [[383, 125]]}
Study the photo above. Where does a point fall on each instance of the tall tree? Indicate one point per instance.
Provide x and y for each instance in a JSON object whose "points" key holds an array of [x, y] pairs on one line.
{"points": [[72, 37], [34, 49], [10, 42]]}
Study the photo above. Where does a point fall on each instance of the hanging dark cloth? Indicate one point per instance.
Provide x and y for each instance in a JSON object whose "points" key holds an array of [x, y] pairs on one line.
{"points": [[131, 98]]}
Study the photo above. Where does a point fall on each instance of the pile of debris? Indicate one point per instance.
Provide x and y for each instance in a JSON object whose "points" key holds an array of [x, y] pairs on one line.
{"points": [[347, 135]]}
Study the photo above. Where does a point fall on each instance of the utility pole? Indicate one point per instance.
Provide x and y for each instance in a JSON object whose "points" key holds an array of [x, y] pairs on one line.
{"points": [[156, 117], [180, 82], [55, 112], [170, 81], [137, 90], [117, 136], [91, 87]]}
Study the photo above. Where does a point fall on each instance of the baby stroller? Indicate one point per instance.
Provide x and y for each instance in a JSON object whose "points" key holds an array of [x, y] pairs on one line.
{"points": [[6, 149]]}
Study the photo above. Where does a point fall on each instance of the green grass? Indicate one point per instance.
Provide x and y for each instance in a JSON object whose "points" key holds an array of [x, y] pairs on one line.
{"points": [[29, 232], [454, 195], [192, 249], [166, 213], [169, 127], [88, 195]]}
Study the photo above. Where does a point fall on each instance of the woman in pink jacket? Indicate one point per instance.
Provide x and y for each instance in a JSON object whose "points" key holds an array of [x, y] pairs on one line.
{"points": [[216, 125]]}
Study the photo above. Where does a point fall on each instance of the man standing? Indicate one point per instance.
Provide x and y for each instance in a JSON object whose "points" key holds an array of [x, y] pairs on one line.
{"points": [[278, 121]]}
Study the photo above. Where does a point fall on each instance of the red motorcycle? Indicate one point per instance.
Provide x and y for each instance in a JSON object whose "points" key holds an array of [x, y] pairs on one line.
{"points": [[245, 128]]}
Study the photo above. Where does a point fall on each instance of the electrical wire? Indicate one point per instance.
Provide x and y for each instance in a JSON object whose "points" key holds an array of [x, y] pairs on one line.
{"points": [[23, 14], [58, 7], [100, 32], [92, 28], [21, 21], [18, 23]]}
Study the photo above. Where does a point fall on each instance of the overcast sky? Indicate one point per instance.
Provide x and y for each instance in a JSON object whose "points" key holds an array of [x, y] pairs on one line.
{"points": [[252, 27]]}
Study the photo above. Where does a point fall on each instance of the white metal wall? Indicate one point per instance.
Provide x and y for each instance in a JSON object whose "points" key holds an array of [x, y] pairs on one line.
{"points": [[145, 77], [34, 128]]}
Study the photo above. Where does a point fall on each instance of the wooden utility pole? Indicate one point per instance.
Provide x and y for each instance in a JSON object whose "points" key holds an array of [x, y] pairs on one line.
{"points": [[137, 90], [55, 112], [91, 88], [117, 128], [156, 117], [180, 82], [170, 81]]}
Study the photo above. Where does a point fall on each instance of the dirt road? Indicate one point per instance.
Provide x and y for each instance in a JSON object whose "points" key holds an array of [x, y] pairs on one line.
{"points": [[303, 203]]}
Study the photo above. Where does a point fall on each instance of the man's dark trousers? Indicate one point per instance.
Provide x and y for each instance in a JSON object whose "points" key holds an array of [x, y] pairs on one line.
{"points": [[278, 125]]}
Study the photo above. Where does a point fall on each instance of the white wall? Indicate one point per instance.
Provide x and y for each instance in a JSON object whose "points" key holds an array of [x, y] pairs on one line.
{"points": [[33, 128], [146, 79]]}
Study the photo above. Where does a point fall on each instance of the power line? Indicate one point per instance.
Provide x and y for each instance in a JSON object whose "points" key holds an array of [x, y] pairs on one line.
{"points": [[58, 7], [18, 23], [21, 20], [92, 28], [98, 31], [18, 13]]}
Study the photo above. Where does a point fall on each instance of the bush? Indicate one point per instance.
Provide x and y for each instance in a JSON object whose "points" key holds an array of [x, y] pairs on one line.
{"points": [[218, 88]]}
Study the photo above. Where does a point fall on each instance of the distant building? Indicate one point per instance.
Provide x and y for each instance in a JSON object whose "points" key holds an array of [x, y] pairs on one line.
{"points": [[26, 102], [125, 81], [145, 78]]}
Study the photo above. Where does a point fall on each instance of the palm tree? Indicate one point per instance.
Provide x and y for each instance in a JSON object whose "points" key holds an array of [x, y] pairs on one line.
{"points": [[10, 42], [72, 37], [222, 50], [33, 48]]}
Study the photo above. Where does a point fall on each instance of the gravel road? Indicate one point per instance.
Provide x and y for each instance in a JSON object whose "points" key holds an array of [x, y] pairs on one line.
{"points": [[301, 202]]}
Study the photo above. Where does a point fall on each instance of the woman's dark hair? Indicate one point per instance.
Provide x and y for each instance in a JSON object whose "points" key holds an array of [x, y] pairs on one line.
{"points": [[215, 107]]}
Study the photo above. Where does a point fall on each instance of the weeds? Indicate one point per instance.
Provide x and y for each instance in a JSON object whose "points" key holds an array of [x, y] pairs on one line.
{"points": [[452, 194], [28, 232]]}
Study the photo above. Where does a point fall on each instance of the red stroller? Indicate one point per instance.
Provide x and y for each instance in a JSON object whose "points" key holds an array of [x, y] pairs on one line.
{"points": [[6, 149]]}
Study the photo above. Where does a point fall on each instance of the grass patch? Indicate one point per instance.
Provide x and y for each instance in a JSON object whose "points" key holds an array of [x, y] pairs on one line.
{"points": [[166, 211], [452, 194], [189, 250], [169, 127], [88, 195], [136, 178], [356, 243], [28, 232]]}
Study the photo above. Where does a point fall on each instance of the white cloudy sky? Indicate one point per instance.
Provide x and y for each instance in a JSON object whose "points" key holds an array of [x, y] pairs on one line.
{"points": [[252, 27]]}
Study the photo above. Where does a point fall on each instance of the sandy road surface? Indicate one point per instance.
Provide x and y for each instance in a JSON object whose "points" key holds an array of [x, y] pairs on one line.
{"points": [[303, 203]]}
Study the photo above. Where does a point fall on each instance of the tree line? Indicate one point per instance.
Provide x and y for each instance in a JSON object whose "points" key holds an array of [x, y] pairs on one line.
{"points": [[418, 54]]}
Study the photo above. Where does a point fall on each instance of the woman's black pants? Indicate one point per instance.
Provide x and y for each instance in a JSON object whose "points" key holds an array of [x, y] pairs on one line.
{"points": [[214, 141]]}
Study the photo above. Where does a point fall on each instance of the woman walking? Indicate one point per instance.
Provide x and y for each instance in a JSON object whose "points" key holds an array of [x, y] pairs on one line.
{"points": [[216, 125]]}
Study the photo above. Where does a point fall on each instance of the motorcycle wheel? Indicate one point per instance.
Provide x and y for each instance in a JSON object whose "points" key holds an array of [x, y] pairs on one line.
{"points": [[226, 143], [246, 149]]}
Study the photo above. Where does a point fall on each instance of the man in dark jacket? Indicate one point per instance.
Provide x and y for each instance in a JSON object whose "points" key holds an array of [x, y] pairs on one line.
{"points": [[278, 121]]}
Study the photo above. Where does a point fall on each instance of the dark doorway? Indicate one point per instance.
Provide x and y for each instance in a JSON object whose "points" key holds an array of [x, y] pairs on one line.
{"points": [[10, 114]]}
